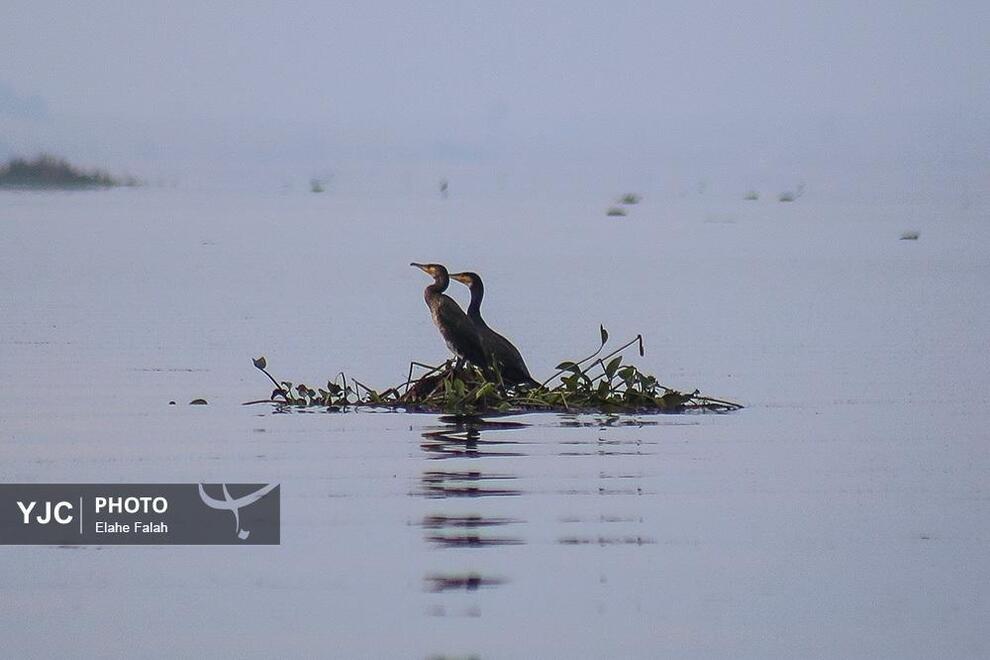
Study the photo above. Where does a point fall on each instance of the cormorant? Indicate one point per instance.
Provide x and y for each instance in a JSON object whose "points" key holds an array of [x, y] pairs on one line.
{"points": [[457, 329], [501, 353]]}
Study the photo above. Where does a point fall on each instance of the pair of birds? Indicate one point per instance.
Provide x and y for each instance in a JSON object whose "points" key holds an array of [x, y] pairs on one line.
{"points": [[467, 335]]}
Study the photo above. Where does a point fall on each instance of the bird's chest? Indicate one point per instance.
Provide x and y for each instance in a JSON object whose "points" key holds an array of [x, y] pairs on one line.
{"points": [[445, 331]]}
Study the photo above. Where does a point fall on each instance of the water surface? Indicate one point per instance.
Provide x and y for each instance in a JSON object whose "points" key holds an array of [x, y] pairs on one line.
{"points": [[841, 514]]}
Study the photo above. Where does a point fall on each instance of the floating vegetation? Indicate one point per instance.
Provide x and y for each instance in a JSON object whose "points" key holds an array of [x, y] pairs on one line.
{"points": [[615, 211], [630, 198], [600, 384], [315, 185], [752, 196], [910, 235]]}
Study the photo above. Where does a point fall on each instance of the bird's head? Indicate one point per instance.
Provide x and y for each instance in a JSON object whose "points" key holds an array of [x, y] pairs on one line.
{"points": [[466, 278], [433, 270]]}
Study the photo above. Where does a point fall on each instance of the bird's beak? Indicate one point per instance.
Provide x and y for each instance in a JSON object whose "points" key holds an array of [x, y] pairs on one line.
{"points": [[461, 277], [422, 267]]}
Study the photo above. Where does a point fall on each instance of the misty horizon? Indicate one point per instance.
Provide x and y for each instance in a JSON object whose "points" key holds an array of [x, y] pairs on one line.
{"points": [[852, 100]]}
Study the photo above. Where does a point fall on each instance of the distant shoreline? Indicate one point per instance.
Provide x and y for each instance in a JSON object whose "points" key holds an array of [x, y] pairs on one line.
{"points": [[50, 172]]}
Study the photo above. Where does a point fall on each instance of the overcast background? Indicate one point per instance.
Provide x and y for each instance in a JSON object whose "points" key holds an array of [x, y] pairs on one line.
{"points": [[859, 100]]}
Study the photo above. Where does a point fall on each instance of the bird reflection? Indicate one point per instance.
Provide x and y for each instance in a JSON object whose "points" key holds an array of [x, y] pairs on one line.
{"points": [[472, 511], [460, 437], [440, 483]]}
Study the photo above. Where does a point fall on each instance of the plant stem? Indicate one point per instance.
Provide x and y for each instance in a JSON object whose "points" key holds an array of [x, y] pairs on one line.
{"points": [[544, 383]]}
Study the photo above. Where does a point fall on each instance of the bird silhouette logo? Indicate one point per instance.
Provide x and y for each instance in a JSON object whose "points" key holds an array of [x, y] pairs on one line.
{"points": [[234, 505]]}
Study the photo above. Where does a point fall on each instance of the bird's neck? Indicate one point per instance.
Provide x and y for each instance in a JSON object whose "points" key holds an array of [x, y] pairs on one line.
{"points": [[440, 284], [477, 295]]}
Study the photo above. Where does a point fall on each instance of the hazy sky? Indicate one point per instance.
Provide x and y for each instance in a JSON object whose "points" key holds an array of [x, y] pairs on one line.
{"points": [[645, 92]]}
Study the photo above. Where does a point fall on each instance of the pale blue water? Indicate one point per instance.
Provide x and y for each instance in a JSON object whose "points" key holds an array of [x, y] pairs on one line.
{"points": [[841, 514]]}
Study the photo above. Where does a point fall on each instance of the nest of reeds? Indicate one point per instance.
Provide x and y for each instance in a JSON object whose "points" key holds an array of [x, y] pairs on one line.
{"points": [[596, 383]]}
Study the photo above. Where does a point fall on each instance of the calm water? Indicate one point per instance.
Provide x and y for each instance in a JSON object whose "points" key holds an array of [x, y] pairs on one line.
{"points": [[843, 513]]}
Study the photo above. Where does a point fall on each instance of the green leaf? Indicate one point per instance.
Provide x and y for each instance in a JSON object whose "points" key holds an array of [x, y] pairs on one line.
{"points": [[612, 367], [484, 390], [565, 365], [673, 400]]}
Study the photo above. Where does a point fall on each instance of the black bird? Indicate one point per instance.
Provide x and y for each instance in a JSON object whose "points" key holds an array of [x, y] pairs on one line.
{"points": [[457, 329], [501, 353]]}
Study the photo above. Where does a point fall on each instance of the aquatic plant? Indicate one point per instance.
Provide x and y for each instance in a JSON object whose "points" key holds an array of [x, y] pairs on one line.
{"points": [[595, 383], [630, 198], [615, 211]]}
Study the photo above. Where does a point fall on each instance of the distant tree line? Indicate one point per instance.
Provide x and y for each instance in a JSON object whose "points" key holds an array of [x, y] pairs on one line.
{"points": [[47, 171]]}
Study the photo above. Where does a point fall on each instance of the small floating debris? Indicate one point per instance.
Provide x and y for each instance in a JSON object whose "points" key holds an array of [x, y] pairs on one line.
{"points": [[198, 402], [791, 195], [315, 185], [752, 196], [630, 199], [615, 211], [910, 235]]}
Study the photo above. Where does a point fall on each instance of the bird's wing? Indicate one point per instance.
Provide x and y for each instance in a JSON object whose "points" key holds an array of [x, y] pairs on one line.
{"points": [[507, 352], [453, 316], [461, 329]]}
